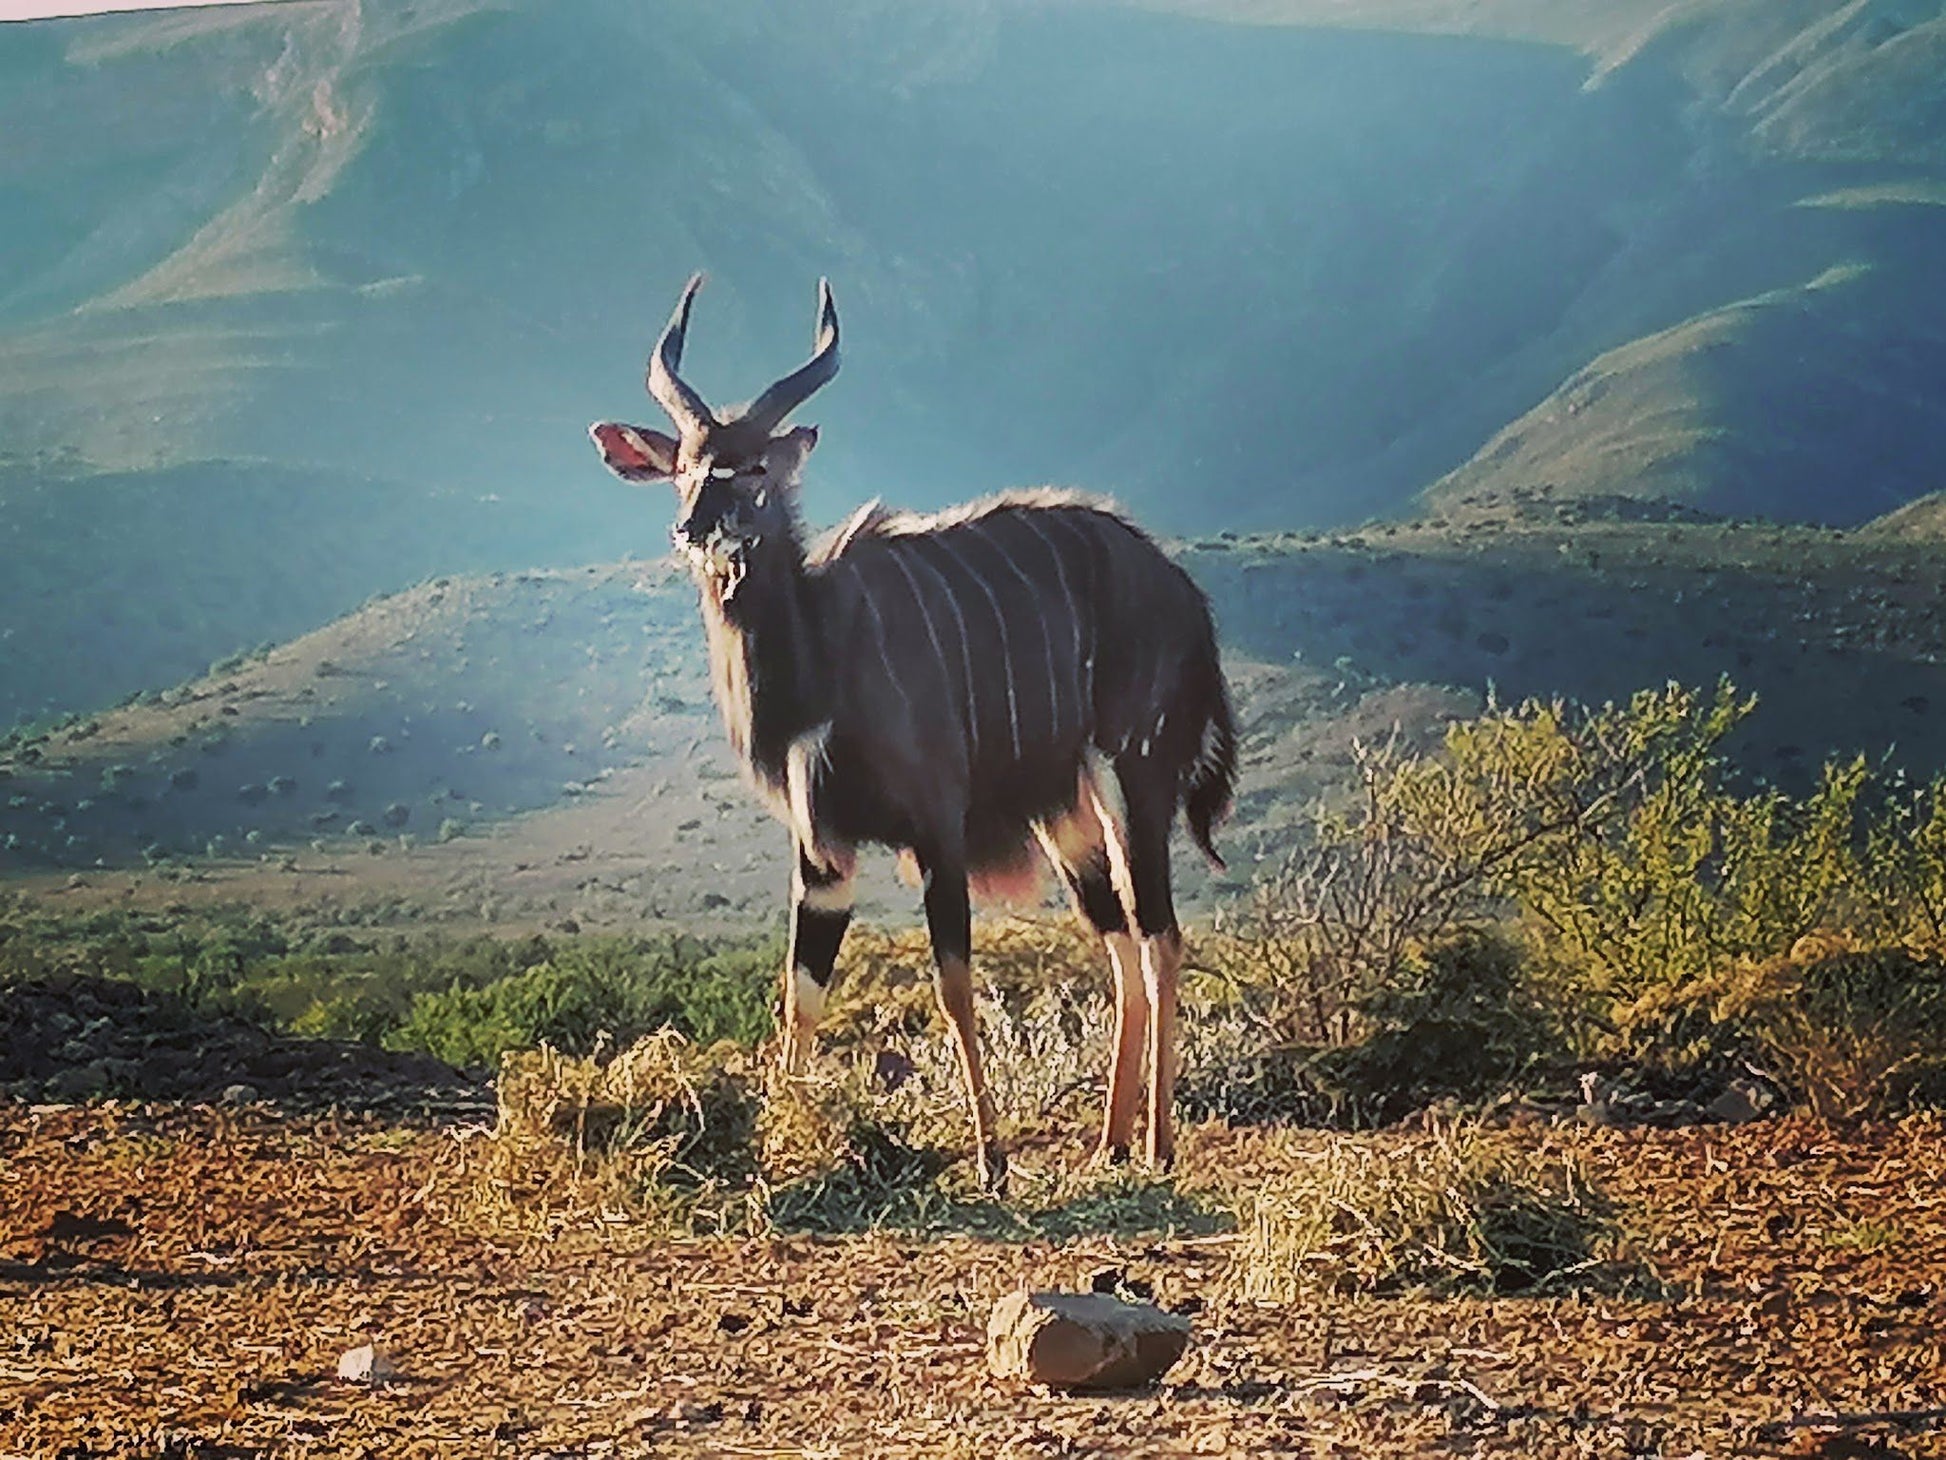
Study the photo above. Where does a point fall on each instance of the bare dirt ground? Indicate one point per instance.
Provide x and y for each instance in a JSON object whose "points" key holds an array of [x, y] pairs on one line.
{"points": [[180, 1280]]}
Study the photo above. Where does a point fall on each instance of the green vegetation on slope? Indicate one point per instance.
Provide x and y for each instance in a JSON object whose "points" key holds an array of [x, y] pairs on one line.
{"points": [[465, 1001], [1812, 403]]}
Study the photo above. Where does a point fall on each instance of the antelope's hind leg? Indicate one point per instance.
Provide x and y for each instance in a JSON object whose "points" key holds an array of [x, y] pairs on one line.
{"points": [[949, 922], [1149, 797], [1077, 846], [821, 899]]}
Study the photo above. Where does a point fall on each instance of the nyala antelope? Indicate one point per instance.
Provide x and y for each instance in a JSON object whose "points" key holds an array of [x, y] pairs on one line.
{"points": [[1027, 675]]}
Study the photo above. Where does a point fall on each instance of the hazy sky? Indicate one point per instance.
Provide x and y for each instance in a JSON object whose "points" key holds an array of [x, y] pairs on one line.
{"points": [[42, 9]]}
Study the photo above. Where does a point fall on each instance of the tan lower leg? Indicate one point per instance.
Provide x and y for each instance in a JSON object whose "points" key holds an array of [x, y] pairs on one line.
{"points": [[954, 988], [1161, 960], [803, 1007], [1125, 1057]]}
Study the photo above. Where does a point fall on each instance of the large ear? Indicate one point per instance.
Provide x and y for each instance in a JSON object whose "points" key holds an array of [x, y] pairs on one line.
{"points": [[635, 453], [785, 456]]}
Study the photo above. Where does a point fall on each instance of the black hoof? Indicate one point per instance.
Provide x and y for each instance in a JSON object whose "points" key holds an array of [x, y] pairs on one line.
{"points": [[993, 1172]]}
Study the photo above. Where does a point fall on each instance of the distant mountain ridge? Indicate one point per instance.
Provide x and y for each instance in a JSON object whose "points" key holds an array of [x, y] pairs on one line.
{"points": [[1241, 262]]}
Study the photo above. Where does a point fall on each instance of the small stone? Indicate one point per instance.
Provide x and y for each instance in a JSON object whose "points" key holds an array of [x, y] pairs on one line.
{"points": [[1082, 1340], [366, 1364], [238, 1094], [890, 1069]]}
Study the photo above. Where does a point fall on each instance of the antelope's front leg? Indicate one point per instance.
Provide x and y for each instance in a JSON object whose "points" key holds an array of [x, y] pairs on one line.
{"points": [[949, 921], [821, 900]]}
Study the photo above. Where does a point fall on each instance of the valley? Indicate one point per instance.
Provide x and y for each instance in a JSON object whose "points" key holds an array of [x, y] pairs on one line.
{"points": [[541, 747]]}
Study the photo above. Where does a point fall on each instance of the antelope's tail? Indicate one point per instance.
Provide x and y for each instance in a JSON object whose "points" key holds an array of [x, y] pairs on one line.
{"points": [[1210, 783]]}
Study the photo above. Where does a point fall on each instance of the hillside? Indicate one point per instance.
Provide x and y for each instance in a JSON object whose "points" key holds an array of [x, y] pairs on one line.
{"points": [[540, 747], [1921, 520], [306, 302], [1817, 402], [1806, 79]]}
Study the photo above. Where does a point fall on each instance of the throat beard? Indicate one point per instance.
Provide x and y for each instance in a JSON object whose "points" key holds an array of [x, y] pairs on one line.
{"points": [[721, 568]]}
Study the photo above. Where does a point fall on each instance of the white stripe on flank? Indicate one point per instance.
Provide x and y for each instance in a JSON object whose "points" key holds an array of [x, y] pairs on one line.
{"points": [[965, 650], [925, 614], [1074, 611], [1006, 654], [884, 649], [1086, 666], [1034, 594]]}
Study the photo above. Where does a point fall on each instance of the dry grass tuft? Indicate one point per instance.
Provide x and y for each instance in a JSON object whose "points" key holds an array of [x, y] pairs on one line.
{"points": [[1855, 1030], [1459, 1207], [1042, 991], [664, 1131]]}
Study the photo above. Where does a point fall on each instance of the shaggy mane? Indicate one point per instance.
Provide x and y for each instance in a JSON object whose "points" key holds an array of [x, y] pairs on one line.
{"points": [[874, 519], [833, 543]]}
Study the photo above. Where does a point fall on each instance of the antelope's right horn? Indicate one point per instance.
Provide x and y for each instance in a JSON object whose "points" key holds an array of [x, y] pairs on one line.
{"points": [[685, 407]]}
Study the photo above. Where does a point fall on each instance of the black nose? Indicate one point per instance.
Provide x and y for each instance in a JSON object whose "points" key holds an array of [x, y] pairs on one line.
{"points": [[698, 529]]}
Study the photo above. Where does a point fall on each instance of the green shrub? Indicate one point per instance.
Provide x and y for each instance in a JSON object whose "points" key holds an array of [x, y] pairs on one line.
{"points": [[1634, 869], [475, 1026], [432, 993], [728, 994], [1458, 1021], [597, 991]]}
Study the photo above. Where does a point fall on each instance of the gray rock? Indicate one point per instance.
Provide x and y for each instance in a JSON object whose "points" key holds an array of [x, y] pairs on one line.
{"points": [[238, 1094], [78, 1082], [1082, 1340], [1741, 1102]]}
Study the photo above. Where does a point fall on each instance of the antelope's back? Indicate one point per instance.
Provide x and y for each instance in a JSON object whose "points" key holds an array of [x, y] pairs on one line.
{"points": [[1016, 631]]}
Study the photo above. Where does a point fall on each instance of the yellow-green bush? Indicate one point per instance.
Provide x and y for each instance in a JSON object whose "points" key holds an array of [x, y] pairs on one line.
{"points": [[1619, 847], [1458, 1019]]}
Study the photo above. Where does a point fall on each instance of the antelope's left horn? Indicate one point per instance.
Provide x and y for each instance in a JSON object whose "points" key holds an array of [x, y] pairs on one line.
{"points": [[769, 409]]}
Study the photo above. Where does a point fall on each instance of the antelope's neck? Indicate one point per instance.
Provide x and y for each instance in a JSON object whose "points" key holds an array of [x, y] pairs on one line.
{"points": [[766, 663]]}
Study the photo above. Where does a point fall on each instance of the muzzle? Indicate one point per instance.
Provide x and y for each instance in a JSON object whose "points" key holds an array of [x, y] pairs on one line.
{"points": [[719, 552]]}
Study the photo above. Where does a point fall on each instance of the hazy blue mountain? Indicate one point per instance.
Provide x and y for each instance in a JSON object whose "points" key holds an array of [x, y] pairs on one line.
{"points": [[304, 302]]}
